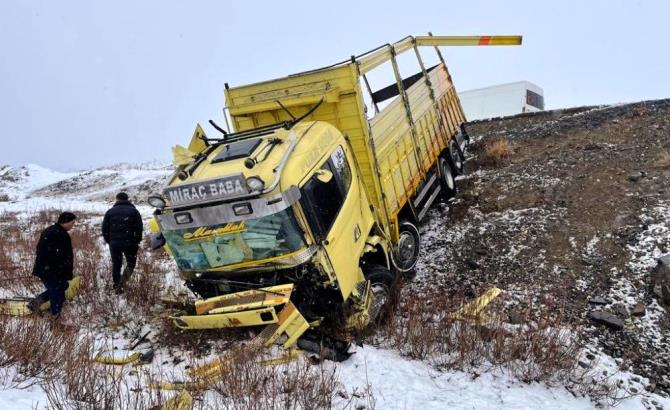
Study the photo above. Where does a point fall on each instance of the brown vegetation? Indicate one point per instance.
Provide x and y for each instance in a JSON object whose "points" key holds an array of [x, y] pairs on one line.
{"points": [[247, 384], [497, 151], [425, 329], [663, 160]]}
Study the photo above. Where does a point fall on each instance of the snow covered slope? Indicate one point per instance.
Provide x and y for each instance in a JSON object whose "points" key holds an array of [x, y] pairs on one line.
{"points": [[17, 183], [33, 188]]}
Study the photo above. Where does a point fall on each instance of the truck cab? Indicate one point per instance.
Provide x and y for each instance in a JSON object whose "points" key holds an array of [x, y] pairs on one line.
{"points": [[268, 207]]}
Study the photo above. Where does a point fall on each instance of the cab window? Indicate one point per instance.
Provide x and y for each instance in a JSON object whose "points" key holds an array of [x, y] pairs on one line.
{"points": [[322, 201], [341, 168]]}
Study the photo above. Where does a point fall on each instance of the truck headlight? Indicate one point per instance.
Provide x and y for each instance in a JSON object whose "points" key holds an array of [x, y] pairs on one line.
{"points": [[242, 209], [156, 201], [183, 218], [255, 184]]}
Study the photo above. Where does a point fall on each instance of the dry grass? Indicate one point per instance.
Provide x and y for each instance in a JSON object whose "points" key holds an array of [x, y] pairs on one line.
{"points": [[498, 151], [84, 385], [541, 350], [33, 347], [663, 160], [17, 248], [33, 351], [423, 330], [247, 384]]}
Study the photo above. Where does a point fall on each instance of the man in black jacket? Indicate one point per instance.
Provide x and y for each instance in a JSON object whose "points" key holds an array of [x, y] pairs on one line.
{"points": [[122, 230], [54, 263]]}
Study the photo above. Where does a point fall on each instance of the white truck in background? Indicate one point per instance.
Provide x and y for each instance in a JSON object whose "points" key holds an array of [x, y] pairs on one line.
{"points": [[502, 100]]}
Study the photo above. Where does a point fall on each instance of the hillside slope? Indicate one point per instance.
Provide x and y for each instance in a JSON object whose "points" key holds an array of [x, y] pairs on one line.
{"points": [[33, 188], [574, 221]]}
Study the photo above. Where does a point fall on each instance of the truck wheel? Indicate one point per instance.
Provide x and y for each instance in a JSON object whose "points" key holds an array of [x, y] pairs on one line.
{"points": [[447, 178], [456, 156], [381, 281], [409, 245]]}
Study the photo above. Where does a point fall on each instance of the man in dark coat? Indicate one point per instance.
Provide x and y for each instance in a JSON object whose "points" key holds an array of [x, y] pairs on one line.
{"points": [[54, 263], [122, 230]]}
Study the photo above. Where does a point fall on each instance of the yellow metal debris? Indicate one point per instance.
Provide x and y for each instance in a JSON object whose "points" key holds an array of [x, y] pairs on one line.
{"points": [[473, 309]]}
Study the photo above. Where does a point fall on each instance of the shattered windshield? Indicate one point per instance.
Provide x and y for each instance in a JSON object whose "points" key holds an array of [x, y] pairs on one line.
{"points": [[259, 239]]}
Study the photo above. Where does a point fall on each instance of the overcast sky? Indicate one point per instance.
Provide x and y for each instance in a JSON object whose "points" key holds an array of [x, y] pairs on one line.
{"points": [[87, 83]]}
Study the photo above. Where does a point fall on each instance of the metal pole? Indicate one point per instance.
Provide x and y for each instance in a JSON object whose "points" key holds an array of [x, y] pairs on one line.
{"points": [[408, 112], [437, 50], [431, 91], [367, 84], [439, 54]]}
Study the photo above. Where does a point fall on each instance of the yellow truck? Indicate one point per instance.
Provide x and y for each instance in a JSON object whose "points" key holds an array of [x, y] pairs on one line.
{"points": [[305, 214]]}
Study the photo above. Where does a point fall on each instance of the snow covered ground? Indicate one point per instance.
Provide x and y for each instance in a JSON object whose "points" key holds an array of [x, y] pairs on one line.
{"points": [[397, 383], [29, 398]]}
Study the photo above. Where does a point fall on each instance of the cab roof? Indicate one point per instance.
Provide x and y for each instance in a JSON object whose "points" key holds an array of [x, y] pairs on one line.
{"points": [[264, 154]]}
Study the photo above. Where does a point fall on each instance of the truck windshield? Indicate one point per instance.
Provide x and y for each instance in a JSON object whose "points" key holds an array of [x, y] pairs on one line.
{"points": [[253, 240]]}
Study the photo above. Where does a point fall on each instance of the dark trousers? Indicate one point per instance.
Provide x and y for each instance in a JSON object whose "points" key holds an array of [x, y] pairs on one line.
{"points": [[55, 294], [118, 252]]}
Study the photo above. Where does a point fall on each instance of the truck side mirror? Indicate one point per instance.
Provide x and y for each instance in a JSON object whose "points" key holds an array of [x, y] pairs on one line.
{"points": [[157, 241], [323, 175]]}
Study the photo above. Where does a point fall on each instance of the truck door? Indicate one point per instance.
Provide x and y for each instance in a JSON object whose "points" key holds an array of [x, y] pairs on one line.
{"points": [[333, 208]]}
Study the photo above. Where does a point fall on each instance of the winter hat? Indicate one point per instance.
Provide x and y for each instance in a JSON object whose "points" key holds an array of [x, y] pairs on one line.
{"points": [[66, 217], [122, 196]]}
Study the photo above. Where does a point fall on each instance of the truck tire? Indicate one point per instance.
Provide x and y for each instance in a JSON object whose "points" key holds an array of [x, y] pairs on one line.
{"points": [[381, 281], [456, 156], [408, 248], [447, 178]]}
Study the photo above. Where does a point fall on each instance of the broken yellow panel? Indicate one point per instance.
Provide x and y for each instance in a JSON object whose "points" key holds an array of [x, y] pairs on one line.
{"points": [[220, 321], [182, 401], [116, 357], [292, 323], [19, 307], [474, 308], [248, 299]]}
